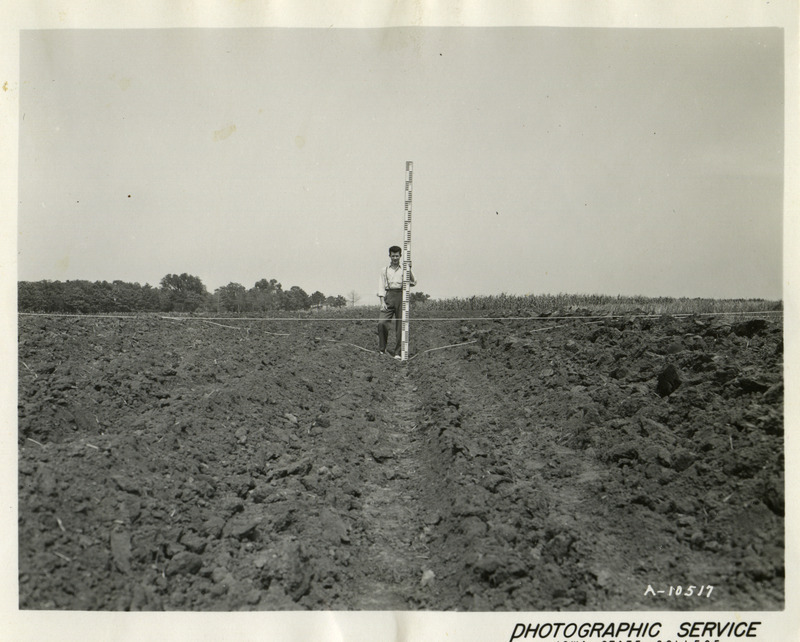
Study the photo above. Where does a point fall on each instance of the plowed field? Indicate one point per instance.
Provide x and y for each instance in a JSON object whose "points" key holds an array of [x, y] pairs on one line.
{"points": [[546, 464]]}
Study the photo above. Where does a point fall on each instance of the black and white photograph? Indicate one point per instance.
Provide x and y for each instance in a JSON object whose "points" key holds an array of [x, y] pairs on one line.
{"points": [[348, 319]]}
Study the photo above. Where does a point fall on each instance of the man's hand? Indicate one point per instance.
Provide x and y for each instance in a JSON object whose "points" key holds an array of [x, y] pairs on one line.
{"points": [[383, 305]]}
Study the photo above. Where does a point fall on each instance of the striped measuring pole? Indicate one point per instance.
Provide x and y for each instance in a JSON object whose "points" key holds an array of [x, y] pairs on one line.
{"points": [[406, 261]]}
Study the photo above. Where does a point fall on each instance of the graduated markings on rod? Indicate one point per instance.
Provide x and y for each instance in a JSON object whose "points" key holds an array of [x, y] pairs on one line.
{"points": [[406, 261]]}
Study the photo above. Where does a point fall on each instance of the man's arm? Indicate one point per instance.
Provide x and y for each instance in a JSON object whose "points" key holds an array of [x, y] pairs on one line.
{"points": [[382, 284], [382, 288]]}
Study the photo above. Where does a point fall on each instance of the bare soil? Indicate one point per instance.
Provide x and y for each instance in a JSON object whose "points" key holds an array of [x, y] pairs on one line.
{"points": [[543, 465]]}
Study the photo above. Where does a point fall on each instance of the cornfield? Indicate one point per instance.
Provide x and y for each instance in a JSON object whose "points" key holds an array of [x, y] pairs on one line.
{"points": [[595, 304], [539, 305]]}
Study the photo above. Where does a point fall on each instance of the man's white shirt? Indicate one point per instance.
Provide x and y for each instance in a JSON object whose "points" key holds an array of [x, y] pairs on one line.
{"points": [[392, 279]]}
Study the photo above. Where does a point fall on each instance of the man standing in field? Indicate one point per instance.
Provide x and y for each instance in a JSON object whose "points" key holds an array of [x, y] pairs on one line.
{"points": [[390, 292]]}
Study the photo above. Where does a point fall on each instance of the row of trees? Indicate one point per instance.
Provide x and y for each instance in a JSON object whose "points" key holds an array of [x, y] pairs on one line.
{"points": [[176, 293], [270, 295]]}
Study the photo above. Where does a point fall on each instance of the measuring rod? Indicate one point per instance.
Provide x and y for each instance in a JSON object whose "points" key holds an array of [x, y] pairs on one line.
{"points": [[406, 261]]}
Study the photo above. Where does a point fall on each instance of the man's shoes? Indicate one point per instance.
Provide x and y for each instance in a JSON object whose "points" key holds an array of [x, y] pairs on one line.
{"points": [[397, 356]]}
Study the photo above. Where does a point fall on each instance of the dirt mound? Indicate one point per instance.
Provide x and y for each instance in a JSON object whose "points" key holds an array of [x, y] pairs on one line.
{"points": [[190, 466]]}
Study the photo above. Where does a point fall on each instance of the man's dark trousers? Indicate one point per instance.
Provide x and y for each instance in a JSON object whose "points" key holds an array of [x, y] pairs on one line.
{"points": [[394, 309]]}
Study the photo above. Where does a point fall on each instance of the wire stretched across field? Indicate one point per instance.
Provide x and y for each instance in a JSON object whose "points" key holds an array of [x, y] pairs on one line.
{"points": [[576, 317], [280, 334], [586, 319]]}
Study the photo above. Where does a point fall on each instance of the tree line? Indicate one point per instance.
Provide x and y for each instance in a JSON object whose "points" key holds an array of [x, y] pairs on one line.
{"points": [[175, 293]]}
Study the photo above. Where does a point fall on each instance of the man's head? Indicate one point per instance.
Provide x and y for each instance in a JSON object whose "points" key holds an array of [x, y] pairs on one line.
{"points": [[394, 254]]}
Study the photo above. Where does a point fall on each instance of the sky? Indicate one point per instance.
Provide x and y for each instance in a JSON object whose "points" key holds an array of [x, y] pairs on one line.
{"points": [[546, 159]]}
